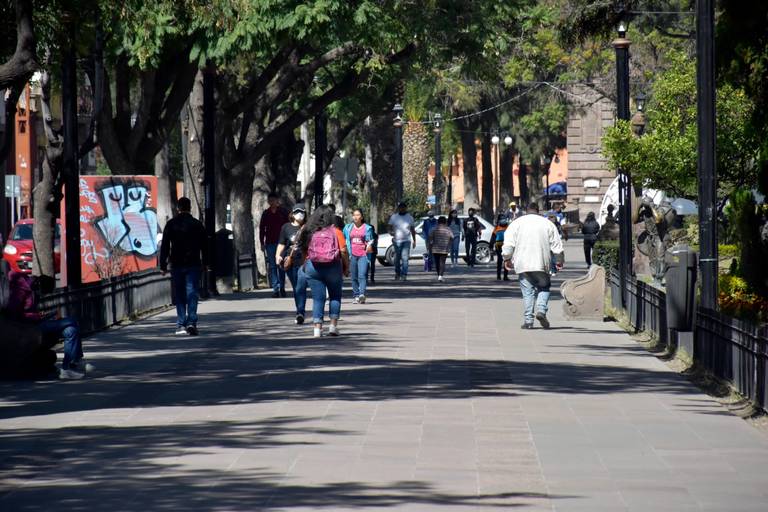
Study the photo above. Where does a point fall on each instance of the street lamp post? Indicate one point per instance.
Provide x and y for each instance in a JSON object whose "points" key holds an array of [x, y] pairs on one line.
{"points": [[438, 129], [69, 154], [495, 141], [320, 148], [397, 122], [705, 78], [621, 46], [547, 165]]}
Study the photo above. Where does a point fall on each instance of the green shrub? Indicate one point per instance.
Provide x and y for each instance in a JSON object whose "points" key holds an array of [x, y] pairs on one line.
{"points": [[606, 254]]}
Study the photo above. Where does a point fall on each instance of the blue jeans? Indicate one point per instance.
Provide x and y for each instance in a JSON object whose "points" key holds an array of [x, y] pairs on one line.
{"points": [[402, 253], [186, 281], [455, 249], [535, 289], [298, 280], [321, 278], [276, 273], [68, 329], [358, 271]]}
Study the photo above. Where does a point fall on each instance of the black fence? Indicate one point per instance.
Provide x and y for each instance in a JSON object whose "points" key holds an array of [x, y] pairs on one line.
{"points": [[733, 350], [646, 305], [109, 302]]}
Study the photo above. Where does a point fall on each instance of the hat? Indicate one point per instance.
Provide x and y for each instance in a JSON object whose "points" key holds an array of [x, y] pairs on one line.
{"points": [[512, 203], [402, 204], [299, 207]]}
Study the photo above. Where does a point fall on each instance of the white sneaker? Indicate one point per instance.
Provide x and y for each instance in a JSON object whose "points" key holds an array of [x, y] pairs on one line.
{"points": [[83, 366], [361, 299], [440, 278], [333, 330], [356, 300], [181, 331], [70, 374], [318, 332]]}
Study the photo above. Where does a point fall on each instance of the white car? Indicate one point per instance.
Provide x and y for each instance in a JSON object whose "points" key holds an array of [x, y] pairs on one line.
{"points": [[386, 252]]}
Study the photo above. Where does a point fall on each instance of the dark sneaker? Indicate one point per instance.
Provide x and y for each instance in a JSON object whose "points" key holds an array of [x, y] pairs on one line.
{"points": [[283, 294], [275, 295], [526, 326], [192, 330], [299, 319], [542, 318]]}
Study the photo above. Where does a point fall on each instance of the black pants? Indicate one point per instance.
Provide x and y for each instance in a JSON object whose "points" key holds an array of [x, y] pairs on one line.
{"points": [[371, 268], [500, 265], [470, 246], [588, 245], [439, 260]]}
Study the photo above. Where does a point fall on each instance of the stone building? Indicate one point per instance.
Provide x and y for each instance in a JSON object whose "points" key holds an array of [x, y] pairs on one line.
{"points": [[588, 176]]}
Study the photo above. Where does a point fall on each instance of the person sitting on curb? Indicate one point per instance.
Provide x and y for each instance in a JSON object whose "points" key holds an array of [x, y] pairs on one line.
{"points": [[23, 306]]}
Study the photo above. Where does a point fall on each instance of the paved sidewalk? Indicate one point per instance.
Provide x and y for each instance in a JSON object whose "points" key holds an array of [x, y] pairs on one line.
{"points": [[432, 399]]}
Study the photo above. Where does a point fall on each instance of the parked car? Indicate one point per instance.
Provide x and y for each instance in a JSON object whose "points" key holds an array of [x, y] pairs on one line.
{"points": [[18, 250], [386, 252]]}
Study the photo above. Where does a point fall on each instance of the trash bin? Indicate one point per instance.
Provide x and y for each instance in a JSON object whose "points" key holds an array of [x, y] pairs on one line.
{"points": [[681, 282], [224, 259]]}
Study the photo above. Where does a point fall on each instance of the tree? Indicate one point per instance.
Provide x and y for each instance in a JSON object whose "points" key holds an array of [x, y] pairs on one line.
{"points": [[665, 157]]}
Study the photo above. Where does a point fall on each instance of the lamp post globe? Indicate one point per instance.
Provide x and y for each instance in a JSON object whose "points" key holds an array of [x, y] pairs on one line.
{"points": [[508, 140], [495, 139]]}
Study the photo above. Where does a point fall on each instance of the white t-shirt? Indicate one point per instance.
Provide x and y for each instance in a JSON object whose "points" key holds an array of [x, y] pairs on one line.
{"points": [[531, 240], [402, 225]]}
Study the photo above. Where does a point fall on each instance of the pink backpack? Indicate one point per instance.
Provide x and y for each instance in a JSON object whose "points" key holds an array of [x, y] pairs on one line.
{"points": [[324, 246]]}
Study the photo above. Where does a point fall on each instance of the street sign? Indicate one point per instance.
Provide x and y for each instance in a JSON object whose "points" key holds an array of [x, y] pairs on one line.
{"points": [[345, 169], [13, 186]]}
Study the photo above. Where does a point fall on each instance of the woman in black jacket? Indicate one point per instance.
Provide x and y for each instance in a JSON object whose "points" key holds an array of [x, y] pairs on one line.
{"points": [[589, 229]]}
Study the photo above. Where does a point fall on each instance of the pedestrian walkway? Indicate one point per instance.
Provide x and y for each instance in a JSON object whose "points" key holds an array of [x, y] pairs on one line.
{"points": [[432, 399]]}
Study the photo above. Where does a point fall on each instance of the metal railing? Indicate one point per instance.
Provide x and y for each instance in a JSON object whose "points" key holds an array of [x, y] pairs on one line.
{"points": [[109, 302], [731, 349]]}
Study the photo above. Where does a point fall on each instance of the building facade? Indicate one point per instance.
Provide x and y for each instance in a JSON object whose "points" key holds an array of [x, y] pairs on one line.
{"points": [[588, 175]]}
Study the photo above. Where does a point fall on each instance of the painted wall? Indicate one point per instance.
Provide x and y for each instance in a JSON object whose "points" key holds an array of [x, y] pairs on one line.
{"points": [[118, 226]]}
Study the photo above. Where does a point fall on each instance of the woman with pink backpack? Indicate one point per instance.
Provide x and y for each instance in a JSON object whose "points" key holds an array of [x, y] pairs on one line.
{"points": [[326, 264]]}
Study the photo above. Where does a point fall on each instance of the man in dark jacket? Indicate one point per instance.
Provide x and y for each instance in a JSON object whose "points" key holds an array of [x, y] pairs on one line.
{"points": [[184, 241], [590, 230], [272, 221]]}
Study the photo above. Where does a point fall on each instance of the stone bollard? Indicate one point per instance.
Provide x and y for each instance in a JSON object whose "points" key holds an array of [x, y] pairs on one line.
{"points": [[584, 297]]}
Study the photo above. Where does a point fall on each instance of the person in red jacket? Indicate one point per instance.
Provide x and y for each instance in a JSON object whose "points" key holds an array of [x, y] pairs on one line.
{"points": [[272, 221], [22, 305]]}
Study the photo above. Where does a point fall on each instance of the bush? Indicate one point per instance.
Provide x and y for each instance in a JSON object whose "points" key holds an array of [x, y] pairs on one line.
{"points": [[606, 254]]}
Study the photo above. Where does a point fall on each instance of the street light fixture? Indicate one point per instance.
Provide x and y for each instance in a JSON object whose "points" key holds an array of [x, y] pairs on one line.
{"points": [[638, 121]]}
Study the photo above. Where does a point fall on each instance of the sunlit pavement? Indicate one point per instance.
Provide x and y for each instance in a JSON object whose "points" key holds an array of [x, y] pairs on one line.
{"points": [[432, 399]]}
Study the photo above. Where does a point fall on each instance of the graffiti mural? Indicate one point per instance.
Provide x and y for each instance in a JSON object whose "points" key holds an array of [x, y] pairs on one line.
{"points": [[118, 225]]}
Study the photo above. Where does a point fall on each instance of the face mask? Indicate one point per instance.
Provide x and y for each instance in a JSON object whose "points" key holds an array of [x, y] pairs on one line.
{"points": [[299, 216]]}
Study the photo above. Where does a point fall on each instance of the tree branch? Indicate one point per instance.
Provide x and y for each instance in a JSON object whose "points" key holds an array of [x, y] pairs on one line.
{"points": [[23, 63]]}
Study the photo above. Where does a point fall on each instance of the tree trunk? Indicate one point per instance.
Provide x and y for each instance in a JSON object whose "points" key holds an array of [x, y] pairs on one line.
{"points": [[379, 138], [45, 206], [241, 199], [371, 186], [261, 188], [469, 158], [415, 165], [192, 132], [505, 176], [166, 188], [487, 155], [284, 161]]}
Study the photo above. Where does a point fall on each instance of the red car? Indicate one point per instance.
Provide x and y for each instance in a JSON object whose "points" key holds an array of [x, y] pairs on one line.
{"points": [[18, 251]]}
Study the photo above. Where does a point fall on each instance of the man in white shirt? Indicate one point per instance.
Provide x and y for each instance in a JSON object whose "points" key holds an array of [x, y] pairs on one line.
{"points": [[529, 243], [403, 230]]}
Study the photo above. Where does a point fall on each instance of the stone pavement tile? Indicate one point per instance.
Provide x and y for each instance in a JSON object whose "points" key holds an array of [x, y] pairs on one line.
{"points": [[656, 496], [602, 501]]}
